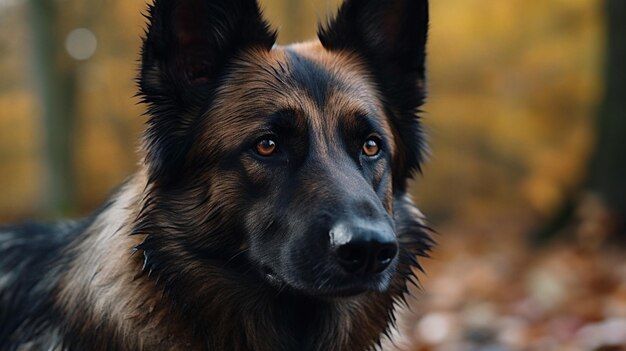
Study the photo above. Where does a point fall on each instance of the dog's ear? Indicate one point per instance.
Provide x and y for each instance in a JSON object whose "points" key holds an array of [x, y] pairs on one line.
{"points": [[186, 48], [390, 35]]}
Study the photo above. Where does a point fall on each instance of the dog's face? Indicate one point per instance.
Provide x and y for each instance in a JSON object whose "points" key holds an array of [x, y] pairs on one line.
{"points": [[307, 159], [292, 157]]}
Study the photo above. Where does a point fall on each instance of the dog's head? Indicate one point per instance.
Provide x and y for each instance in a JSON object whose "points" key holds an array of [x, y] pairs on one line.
{"points": [[290, 161]]}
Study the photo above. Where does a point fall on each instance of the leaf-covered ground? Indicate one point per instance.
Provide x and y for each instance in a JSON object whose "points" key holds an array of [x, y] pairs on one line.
{"points": [[486, 289]]}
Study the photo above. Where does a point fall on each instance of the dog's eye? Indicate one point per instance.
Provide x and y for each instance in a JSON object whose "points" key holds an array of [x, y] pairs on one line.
{"points": [[371, 146], [266, 147]]}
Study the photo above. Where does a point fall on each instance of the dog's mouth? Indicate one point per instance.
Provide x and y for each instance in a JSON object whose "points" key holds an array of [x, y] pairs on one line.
{"points": [[345, 289]]}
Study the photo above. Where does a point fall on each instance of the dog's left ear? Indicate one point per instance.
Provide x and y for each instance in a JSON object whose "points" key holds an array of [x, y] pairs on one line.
{"points": [[390, 35]]}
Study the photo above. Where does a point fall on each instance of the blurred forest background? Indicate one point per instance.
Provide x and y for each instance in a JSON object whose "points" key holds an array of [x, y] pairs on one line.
{"points": [[526, 117]]}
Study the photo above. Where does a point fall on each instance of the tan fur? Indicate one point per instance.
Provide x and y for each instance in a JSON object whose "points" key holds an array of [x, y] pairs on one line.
{"points": [[105, 278]]}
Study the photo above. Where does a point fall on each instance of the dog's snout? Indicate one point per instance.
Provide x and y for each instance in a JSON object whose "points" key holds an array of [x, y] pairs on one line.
{"points": [[363, 249]]}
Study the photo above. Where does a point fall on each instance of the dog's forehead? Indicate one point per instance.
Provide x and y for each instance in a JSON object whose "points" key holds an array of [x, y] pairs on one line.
{"points": [[302, 77], [322, 86], [312, 77], [331, 79]]}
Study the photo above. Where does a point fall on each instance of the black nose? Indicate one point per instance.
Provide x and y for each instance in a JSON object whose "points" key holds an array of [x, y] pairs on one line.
{"points": [[363, 249]]}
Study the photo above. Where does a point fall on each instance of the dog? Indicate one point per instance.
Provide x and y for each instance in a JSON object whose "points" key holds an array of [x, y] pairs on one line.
{"points": [[270, 207]]}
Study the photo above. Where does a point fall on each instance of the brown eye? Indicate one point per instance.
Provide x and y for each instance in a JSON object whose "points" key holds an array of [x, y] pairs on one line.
{"points": [[266, 147], [371, 147]]}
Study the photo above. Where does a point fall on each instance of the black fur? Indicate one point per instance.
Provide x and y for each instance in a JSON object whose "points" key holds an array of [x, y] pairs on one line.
{"points": [[34, 256]]}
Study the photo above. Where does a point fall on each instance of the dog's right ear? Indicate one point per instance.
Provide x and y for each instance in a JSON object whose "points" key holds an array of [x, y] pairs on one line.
{"points": [[185, 50]]}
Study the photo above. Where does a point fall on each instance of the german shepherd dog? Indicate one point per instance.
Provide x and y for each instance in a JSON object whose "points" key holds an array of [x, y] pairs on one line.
{"points": [[269, 211]]}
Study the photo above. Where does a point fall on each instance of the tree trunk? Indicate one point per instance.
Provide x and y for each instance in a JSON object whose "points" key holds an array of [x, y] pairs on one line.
{"points": [[54, 77], [607, 172]]}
